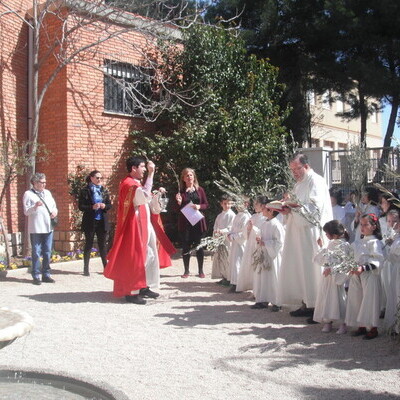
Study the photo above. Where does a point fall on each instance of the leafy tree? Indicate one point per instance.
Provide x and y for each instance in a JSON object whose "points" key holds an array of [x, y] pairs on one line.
{"points": [[347, 46], [238, 122]]}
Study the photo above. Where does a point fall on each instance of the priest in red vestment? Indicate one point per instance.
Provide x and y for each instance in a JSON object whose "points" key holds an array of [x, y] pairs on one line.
{"points": [[133, 262]]}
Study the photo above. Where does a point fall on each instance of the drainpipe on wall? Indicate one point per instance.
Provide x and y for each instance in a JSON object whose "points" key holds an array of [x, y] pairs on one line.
{"points": [[26, 242]]}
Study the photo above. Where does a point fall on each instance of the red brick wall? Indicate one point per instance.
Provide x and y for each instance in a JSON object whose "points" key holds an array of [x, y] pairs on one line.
{"points": [[13, 96], [73, 124], [76, 129]]}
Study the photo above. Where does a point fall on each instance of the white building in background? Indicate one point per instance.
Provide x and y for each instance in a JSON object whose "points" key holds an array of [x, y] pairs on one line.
{"points": [[331, 136], [332, 132]]}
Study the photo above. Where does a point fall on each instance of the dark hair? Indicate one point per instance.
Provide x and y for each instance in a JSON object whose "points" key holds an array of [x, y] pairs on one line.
{"points": [[225, 197], [373, 194], [302, 158], [390, 198], [334, 227], [373, 220], [134, 162], [91, 175], [337, 194], [262, 199]]}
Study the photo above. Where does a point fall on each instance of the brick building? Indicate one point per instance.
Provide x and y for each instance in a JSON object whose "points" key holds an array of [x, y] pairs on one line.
{"points": [[86, 114]]}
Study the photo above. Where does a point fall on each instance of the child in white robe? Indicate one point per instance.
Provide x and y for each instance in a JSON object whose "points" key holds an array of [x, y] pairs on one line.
{"points": [[238, 241], [390, 273], [391, 220], [368, 205], [222, 226], [251, 231], [331, 297], [265, 276], [364, 295]]}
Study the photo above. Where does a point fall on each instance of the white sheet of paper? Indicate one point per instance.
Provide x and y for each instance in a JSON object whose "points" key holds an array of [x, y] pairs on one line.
{"points": [[192, 215]]}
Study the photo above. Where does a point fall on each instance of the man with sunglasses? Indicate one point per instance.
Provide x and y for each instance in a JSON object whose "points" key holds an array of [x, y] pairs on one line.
{"points": [[40, 208]]}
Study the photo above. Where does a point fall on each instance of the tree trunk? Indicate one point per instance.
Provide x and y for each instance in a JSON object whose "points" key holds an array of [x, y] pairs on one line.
{"points": [[6, 244], [388, 140], [363, 117]]}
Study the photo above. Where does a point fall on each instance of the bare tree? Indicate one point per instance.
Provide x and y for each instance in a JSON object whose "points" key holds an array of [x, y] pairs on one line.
{"points": [[15, 161], [83, 28], [102, 21]]}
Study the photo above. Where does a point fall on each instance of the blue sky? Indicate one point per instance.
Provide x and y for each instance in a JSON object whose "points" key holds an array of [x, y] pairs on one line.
{"points": [[385, 119]]}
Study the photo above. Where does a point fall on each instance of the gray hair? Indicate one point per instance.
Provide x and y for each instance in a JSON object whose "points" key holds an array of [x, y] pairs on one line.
{"points": [[37, 177]]}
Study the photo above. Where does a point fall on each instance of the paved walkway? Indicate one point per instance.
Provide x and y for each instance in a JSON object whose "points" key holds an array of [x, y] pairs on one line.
{"points": [[195, 342]]}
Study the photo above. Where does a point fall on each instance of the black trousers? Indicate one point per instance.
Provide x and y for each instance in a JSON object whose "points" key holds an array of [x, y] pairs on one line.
{"points": [[101, 234], [190, 239]]}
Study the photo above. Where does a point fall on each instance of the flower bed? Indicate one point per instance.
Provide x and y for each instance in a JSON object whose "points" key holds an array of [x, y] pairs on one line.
{"points": [[55, 258]]}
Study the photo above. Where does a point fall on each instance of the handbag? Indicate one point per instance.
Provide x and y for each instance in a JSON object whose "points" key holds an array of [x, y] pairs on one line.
{"points": [[53, 221]]}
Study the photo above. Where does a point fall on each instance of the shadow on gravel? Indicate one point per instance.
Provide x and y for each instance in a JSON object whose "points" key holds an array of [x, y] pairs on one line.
{"points": [[74, 297], [313, 393]]}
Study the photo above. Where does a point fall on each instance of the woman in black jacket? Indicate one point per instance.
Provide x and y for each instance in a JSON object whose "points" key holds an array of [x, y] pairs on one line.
{"points": [[94, 201]]}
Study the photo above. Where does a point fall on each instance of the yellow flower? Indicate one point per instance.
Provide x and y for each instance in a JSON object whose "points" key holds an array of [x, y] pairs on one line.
{"points": [[13, 266]]}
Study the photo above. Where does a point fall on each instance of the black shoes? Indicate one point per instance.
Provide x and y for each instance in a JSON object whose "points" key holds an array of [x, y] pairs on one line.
{"points": [[259, 306], [311, 321], [135, 299], [360, 331], [48, 279], [302, 312], [275, 308], [146, 292], [36, 281], [232, 289]]}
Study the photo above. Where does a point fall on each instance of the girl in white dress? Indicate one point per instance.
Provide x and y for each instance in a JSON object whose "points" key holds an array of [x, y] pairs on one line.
{"points": [[265, 276], [238, 241], [251, 231], [222, 226], [364, 295], [390, 272], [368, 205], [331, 298]]}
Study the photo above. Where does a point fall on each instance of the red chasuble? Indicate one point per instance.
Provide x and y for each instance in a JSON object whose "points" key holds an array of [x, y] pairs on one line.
{"points": [[127, 257], [164, 246]]}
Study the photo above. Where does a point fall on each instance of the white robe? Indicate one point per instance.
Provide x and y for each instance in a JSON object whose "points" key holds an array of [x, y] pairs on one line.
{"points": [[245, 278], [364, 295], [238, 241], [392, 263], [143, 196], [386, 270], [299, 275], [331, 297], [223, 225], [265, 282]]}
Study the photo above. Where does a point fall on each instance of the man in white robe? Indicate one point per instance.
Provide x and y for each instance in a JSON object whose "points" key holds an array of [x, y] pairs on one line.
{"points": [[299, 275]]}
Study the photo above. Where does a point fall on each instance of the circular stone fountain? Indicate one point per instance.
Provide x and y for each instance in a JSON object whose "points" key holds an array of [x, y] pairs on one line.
{"points": [[13, 324], [33, 385]]}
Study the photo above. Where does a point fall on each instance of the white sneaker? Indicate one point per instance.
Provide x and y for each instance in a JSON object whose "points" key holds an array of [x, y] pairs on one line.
{"points": [[342, 329], [327, 327]]}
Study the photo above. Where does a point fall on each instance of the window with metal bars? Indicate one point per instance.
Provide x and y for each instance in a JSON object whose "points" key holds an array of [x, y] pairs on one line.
{"points": [[127, 88]]}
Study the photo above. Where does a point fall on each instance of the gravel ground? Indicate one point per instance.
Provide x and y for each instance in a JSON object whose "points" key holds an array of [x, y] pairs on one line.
{"points": [[195, 341]]}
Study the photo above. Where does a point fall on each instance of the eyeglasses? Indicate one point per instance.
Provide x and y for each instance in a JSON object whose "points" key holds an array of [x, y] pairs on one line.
{"points": [[43, 183]]}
